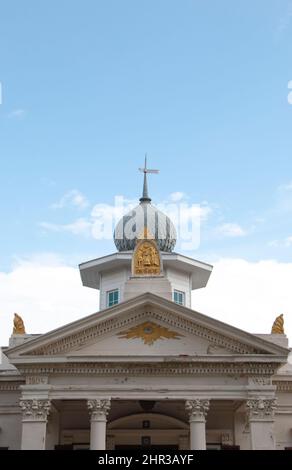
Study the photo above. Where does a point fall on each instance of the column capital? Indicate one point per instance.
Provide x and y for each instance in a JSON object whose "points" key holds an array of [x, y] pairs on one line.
{"points": [[98, 409], [197, 408], [260, 409], [35, 409]]}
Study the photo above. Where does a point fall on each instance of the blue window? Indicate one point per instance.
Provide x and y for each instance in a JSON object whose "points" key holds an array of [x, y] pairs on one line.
{"points": [[112, 297], [179, 297]]}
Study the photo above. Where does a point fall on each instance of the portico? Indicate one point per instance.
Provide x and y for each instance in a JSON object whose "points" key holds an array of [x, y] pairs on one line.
{"points": [[118, 424]]}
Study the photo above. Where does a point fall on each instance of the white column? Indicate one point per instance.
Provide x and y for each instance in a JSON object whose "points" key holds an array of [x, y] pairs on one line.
{"points": [[261, 423], [34, 423], [197, 410], [98, 410], [53, 428]]}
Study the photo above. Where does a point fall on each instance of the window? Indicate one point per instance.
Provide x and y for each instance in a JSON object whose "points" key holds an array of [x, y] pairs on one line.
{"points": [[112, 297], [179, 297]]}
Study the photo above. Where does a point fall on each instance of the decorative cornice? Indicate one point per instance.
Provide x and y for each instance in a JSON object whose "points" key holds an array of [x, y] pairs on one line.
{"points": [[35, 410], [283, 385], [259, 409], [151, 369], [112, 325], [10, 386], [260, 381], [36, 380], [197, 409], [212, 336], [98, 409]]}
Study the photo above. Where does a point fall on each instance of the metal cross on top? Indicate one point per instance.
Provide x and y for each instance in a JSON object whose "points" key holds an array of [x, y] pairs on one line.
{"points": [[145, 170]]}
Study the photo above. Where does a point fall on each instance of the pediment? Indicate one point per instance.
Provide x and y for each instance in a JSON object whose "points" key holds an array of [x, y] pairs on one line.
{"points": [[148, 337], [118, 332]]}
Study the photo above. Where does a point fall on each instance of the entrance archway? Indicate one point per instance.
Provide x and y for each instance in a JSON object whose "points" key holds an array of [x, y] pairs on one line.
{"points": [[147, 430]]}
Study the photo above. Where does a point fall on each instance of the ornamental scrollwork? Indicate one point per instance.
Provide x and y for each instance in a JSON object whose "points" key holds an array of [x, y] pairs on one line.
{"points": [[35, 410], [197, 408], [98, 409], [261, 408]]}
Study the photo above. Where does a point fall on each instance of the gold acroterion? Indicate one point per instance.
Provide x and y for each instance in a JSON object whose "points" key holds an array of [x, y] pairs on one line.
{"points": [[18, 325], [149, 332], [278, 326]]}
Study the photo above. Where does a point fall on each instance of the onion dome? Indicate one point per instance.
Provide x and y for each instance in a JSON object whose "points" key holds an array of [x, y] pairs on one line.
{"points": [[145, 221]]}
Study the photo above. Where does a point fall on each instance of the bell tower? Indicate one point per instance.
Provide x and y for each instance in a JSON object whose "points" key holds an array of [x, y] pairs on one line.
{"points": [[145, 261]]}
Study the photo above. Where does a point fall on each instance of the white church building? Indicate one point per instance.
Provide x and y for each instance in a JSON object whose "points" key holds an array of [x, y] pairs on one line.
{"points": [[146, 370]]}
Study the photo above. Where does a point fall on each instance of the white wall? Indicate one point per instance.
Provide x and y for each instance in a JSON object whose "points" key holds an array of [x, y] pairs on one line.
{"points": [[180, 281], [116, 279], [111, 280]]}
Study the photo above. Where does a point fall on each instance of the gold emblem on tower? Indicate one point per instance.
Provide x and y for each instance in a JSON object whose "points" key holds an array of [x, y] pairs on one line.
{"points": [[149, 332], [146, 259]]}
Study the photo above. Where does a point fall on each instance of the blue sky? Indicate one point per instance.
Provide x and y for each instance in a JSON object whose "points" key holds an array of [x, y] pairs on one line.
{"points": [[89, 87]]}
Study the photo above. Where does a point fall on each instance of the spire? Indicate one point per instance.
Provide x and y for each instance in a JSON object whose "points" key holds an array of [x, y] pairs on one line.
{"points": [[145, 197]]}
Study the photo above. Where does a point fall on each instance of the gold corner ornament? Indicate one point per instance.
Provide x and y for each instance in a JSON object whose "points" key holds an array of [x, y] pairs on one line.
{"points": [[146, 259], [278, 325], [149, 332], [18, 325]]}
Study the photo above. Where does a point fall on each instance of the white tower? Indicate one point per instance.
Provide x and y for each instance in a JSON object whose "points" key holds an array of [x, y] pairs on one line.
{"points": [[145, 261]]}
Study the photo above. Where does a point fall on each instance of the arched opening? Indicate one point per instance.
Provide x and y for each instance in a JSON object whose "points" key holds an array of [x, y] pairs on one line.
{"points": [[147, 430]]}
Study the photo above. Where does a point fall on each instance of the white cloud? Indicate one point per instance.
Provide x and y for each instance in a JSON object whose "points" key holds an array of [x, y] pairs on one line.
{"points": [[104, 217], [72, 198], [177, 196], [17, 114], [231, 230], [287, 242], [114, 211], [274, 243], [46, 293], [248, 295], [285, 187], [49, 294], [78, 227], [285, 21]]}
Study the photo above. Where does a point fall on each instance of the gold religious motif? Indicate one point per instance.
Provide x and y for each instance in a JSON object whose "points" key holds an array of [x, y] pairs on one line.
{"points": [[18, 325], [145, 235], [278, 326], [146, 259], [149, 332]]}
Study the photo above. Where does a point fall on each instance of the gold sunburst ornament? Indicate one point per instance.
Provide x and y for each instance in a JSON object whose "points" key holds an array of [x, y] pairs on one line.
{"points": [[149, 332]]}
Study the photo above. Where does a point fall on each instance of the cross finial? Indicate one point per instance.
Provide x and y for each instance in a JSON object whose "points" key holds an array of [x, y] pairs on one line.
{"points": [[145, 197]]}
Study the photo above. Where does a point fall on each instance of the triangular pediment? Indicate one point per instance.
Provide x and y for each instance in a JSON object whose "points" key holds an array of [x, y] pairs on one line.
{"points": [[147, 325], [148, 337]]}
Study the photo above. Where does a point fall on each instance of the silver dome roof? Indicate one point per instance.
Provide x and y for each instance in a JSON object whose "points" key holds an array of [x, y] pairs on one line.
{"points": [[145, 216]]}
